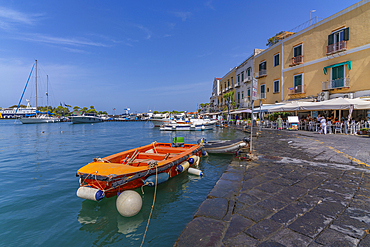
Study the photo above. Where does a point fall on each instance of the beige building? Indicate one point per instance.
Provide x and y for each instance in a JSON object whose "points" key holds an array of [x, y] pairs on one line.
{"points": [[226, 86], [328, 59]]}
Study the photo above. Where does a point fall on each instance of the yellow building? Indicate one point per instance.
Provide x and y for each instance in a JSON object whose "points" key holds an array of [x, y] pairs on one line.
{"points": [[328, 59], [226, 86]]}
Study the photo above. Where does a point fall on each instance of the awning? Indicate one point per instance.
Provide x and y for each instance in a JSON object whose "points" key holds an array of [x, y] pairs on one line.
{"points": [[265, 108], [242, 111], [336, 65]]}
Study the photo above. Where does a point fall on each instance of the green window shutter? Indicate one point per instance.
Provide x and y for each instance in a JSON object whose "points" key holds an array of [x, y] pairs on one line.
{"points": [[331, 39], [346, 34], [297, 80]]}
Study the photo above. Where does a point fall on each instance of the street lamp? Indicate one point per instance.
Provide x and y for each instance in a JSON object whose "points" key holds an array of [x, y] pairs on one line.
{"points": [[311, 11]]}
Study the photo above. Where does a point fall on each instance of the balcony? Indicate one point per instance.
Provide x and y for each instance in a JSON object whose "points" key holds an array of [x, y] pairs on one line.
{"points": [[296, 60], [297, 90], [335, 84], [247, 78], [336, 47], [261, 73], [237, 84], [261, 96]]}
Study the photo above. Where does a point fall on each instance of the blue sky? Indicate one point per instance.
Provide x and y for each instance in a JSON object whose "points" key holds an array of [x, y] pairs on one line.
{"points": [[145, 55]]}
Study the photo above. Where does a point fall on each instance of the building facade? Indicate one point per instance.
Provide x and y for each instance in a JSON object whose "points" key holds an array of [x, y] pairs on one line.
{"points": [[226, 86], [326, 60], [243, 81], [214, 106]]}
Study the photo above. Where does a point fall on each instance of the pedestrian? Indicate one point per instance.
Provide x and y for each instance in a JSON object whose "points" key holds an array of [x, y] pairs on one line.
{"points": [[279, 122], [323, 125]]}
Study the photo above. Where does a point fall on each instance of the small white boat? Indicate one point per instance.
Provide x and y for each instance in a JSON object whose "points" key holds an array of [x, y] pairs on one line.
{"points": [[223, 146], [86, 118], [192, 124]]}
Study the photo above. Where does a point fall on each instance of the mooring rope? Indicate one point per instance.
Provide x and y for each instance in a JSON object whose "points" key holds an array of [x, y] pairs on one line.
{"points": [[151, 211]]}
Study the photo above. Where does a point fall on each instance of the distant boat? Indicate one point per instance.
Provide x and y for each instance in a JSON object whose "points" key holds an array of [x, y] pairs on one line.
{"points": [[192, 124], [37, 118], [86, 118]]}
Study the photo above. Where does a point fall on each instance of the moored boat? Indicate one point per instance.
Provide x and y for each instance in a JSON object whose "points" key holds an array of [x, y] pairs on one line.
{"points": [[192, 124], [223, 146], [134, 168], [86, 118]]}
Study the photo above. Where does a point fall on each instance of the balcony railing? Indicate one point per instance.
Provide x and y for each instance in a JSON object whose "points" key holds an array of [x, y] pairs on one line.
{"points": [[247, 78], [297, 90], [261, 96], [335, 84], [237, 84], [336, 47], [297, 60], [261, 73]]}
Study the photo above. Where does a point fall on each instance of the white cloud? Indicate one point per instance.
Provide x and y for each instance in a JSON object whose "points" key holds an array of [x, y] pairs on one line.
{"points": [[209, 5], [182, 15], [146, 30], [9, 17], [41, 38]]}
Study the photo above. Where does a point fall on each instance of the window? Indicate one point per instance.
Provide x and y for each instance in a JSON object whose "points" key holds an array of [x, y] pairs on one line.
{"points": [[276, 86], [228, 83], [298, 83], [239, 78], [249, 93], [337, 41], [262, 69], [232, 80], [337, 76], [338, 36], [277, 59], [222, 101], [242, 76], [238, 97], [297, 51], [263, 93], [249, 72], [242, 94]]}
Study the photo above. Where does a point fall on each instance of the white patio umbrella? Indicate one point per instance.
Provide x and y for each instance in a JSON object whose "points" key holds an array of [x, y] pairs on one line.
{"points": [[337, 104], [293, 106]]}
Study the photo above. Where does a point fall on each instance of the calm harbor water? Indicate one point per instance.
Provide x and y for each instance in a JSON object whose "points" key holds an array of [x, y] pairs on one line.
{"points": [[39, 206]]}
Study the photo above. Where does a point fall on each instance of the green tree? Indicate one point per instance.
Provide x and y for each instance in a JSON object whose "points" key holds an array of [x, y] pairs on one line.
{"points": [[76, 108]]}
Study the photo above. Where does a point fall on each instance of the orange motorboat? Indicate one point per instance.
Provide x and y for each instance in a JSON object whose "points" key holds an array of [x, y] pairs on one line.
{"points": [[131, 169]]}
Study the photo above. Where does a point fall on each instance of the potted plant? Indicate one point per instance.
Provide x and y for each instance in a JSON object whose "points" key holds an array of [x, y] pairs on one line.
{"points": [[363, 131]]}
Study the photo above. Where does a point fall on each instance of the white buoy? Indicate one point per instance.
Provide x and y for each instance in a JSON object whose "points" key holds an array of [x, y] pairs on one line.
{"points": [[129, 203], [90, 193], [195, 171]]}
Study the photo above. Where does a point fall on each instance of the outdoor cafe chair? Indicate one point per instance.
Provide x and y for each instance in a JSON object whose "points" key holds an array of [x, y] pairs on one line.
{"points": [[338, 127]]}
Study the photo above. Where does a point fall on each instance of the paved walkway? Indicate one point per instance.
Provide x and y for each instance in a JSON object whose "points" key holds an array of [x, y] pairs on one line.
{"points": [[305, 189]]}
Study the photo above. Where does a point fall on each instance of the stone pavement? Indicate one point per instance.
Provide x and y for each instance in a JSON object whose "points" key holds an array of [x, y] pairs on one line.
{"points": [[305, 189]]}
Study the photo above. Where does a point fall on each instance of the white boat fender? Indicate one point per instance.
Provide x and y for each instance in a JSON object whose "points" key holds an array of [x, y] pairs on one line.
{"points": [[90, 193], [195, 171], [195, 160], [129, 203], [183, 166], [161, 178]]}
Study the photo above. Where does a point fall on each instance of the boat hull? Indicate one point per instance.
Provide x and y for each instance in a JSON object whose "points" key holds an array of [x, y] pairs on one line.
{"points": [[38, 120], [160, 122], [223, 147], [129, 169], [85, 119], [188, 127]]}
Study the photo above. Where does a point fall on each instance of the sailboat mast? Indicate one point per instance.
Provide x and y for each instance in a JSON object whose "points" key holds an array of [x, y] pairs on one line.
{"points": [[47, 94], [36, 83]]}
